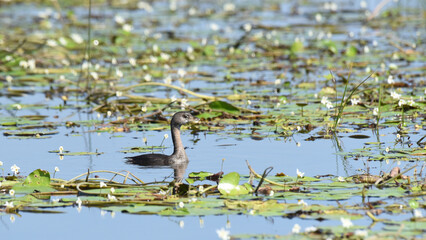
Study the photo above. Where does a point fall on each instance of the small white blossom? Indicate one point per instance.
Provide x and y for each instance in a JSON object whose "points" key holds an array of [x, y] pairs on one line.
{"points": [[127, 27], [181, 205], [395, 95], [361, 233], [79, 202], [411, 102], [223, 234], [346, 222], [15, 169], [390, 79], [111, 198], [301, 202], [77, 38], [376, 111], [329, 105], [102, 184], [229, 7], [214, 26], [112, 190], [310, 229], [119, 73], [299, 173], [132, 61], [296, 228], [341, 179], [166, 136], [56, 169], [119, 19], [402, 102], [12, 192], [8, 204], [318, 17], [355, 101], [147, 78], [418, 213], [181, 72]]}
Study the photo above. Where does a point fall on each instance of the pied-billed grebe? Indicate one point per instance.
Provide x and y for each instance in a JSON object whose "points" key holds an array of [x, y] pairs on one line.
{"points": [[178, 156]]}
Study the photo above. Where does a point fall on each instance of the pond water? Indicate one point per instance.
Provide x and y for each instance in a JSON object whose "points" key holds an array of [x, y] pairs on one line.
{"points": [[268, 59]]}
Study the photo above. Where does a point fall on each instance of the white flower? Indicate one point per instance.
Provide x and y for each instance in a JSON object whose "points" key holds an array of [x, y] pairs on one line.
{"points": [[111, 198], [324, 100], [127, 27], [181, 72], [132, 61], [271, 193], [118, 93], [366, 49], [8, 204], [15, 169], [318, 17], [397, 137], [189, 50], [329, 105], [153, 59], [395, 95], [165, 56], [223, 234], [390, 79], [411, 102], [296, 228], [147, 78], [155, 48], [301, 202], [299, 173], [79, 202], [143, 109], [51, 43], [346, 222], [168, 80], [56, 169], [355, 101], [112, 190], [310, 229], [12, 218], [166, 136], [1, 163], [181, 223], [298, 144], [94, 75], [247, 27], [402, 102], [376, 111], [119, 19], [361, 233], [229, 7], [214, 26], [387, 149], [418, 213], [119, 73], [102, 184], [77, 38], [181, 204], [341, 179]]}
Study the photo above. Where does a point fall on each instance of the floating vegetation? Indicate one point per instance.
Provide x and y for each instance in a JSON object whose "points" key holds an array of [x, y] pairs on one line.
{"points": [[279, 196]]}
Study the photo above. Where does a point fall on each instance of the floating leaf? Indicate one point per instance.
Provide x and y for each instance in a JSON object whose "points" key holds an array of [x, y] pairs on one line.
{"points": [[228, 185], [224, 106]]}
